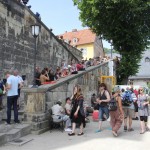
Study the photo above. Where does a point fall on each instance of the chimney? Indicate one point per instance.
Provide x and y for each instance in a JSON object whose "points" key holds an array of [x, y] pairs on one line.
{"points": [[74, 30]]}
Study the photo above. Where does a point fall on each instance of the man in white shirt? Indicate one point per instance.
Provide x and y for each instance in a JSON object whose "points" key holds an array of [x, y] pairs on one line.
{"points": [[12, 96], [58, 115], [16, 74]]}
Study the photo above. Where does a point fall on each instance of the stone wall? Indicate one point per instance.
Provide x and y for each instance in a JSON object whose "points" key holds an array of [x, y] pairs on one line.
{"points": [[17, 44], [38, 101]]}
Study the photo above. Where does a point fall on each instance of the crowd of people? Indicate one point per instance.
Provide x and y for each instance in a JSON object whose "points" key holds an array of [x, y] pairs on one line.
{"points": [[121, 106], [49, 75]]}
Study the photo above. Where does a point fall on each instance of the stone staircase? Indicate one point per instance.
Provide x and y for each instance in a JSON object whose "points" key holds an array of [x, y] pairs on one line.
{"points": [[12, 132]]}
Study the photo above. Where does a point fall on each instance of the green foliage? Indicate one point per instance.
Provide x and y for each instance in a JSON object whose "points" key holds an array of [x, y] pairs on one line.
{"points": [[125, 22]]}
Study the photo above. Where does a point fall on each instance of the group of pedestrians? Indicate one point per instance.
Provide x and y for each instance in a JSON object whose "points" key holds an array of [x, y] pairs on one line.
{"points": [[115, 105], [120, 106]]}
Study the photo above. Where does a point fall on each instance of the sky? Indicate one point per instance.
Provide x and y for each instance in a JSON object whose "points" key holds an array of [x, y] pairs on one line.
{"points": [[60, 15]]}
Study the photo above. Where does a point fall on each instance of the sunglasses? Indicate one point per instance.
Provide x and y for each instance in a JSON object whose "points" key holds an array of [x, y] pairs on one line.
{"points": [[141, 90]]}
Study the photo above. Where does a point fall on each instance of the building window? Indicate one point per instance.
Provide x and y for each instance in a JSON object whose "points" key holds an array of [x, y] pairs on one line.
{"points": [[147, 59], [75, 40], [84, 52]]}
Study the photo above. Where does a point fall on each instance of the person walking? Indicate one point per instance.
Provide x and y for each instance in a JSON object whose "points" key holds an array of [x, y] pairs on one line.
{"points": [[128, 107], [77, 112], [103, 99], [116, 115], [12, 96], [143, 110]]}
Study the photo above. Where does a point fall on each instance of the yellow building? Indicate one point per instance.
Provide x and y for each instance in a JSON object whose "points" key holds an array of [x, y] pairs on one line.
{"points": [[86, 41]]}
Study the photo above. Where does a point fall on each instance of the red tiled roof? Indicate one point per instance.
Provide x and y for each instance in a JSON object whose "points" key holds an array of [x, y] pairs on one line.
{"points": [[83, 36]]}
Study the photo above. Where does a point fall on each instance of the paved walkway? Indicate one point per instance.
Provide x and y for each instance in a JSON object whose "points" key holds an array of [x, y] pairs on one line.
{"points": [[104, 140]]}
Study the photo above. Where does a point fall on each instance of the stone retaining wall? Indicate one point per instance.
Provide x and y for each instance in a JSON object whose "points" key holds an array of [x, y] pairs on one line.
{"points": [[38, 101], [17, 43]]}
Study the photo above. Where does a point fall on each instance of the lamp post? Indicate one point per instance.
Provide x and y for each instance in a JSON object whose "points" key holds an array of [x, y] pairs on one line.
{"points": [[111, 42], [35, 34]]}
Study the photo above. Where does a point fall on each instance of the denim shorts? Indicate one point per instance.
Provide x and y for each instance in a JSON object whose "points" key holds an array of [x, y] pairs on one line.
{"points": [[102, 111]]}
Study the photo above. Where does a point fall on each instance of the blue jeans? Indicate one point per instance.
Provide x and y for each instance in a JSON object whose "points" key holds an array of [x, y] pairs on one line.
{"points": [[12, 101], [102, 111]]}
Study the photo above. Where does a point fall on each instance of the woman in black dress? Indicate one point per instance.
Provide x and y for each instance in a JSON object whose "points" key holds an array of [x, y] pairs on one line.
{"points": [[77, 113]]}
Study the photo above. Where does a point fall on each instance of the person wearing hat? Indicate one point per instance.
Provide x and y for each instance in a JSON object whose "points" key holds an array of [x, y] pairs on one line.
{"points": [[58, 115]]}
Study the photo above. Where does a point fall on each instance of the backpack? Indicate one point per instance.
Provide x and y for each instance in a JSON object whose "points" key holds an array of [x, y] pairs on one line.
{"points": [[127, 99], [112, 105]]}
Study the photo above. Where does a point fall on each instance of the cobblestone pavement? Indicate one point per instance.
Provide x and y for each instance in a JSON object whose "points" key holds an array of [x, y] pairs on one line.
{"points": [[104, 140]]}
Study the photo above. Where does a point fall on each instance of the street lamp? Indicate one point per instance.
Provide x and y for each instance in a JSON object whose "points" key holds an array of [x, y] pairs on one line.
{"points": [[35, 33], [111, 42]]}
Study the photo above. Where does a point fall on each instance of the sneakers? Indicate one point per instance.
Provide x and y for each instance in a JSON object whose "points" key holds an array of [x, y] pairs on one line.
{"points": [[17, 122], [68, 130], [6, 123]]}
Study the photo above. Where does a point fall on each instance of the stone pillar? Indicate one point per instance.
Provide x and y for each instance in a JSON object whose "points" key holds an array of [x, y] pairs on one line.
{"points": [[35, 110]]}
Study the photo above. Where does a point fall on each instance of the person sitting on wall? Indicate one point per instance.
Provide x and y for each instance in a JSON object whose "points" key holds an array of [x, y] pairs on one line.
{"points": [[58, 114], [65, 72], [80, 66], [44, 77]]}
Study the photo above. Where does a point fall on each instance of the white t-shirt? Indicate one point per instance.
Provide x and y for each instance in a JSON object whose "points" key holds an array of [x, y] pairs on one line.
{"points": [[57, 110], [13, 82], [68, 106], [20, 78]]}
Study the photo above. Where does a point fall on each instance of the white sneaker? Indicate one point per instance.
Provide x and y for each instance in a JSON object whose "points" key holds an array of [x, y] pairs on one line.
{"points": [[68, 130]]}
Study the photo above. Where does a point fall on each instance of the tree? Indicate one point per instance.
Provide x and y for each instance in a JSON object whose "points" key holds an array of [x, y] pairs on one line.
{"points": [[126, 23]]}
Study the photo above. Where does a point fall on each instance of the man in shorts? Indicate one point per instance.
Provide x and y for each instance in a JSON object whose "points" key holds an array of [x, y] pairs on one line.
{"points": [[129, 113]]}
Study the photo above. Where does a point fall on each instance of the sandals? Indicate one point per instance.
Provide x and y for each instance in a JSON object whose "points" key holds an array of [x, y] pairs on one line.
{"points": [[114, 133], [142, 132], [97, 131], [71, 134], [131, 129], [79, 134]]}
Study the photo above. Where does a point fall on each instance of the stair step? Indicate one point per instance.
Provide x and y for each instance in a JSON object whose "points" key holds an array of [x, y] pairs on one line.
{"points": [[14, 131]]}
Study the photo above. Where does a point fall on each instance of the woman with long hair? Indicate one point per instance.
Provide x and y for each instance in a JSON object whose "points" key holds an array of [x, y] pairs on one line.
{"points": [[116, 112], [103, 99], [77, 113], [143, 110]]}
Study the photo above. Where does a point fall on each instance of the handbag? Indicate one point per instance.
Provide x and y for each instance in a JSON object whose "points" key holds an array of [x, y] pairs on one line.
{"points": [[112, 105]]}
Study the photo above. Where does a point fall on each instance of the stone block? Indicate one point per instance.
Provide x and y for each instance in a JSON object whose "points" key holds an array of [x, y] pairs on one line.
{"points": [[3, 138], [35, 103], [40, 125], [13, 134], [30, 117]]}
